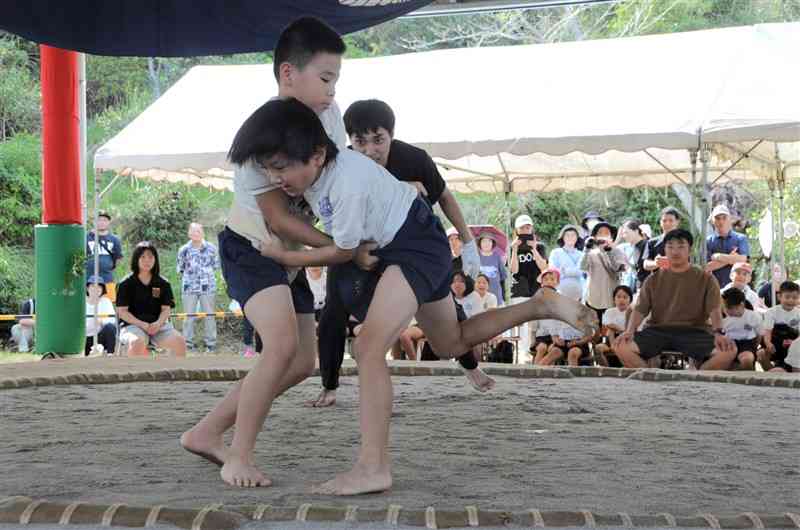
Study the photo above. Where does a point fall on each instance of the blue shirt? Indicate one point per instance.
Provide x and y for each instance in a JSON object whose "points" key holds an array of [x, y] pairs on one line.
{"points": [[492, 266], [196, 267], [716, 244]]}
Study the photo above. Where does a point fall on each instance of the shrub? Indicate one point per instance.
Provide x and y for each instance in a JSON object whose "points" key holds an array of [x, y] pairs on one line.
{"points": [[20, 190], [16, 278], [158, 215]]}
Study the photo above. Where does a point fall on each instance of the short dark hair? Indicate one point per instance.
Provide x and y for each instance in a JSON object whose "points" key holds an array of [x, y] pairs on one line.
{"points": [[624, 288], [368, 115], [302, 39], [679, 234], [789, 287], [670, 210], [283, 126], [482, 275], [733, 297], [140, 249], [633, 224]]}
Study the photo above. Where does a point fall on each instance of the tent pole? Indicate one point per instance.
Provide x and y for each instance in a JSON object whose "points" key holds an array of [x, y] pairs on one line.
{"points": [[772, 261], [693, 189], [704, 159]]}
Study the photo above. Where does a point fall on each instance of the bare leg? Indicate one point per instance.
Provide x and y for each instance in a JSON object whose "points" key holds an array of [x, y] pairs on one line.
{"points": [[554, 354], [446, 334], [600, 351], [175, 343], [574, 356], [389, 313], [628, 353], [747, 360], [719, 360]]}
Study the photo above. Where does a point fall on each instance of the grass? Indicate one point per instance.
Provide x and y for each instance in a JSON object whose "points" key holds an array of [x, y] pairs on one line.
{"points": [[14, 357]]}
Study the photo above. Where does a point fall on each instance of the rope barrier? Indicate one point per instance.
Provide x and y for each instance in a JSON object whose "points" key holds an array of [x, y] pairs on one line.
{"points": [[219, 314]]}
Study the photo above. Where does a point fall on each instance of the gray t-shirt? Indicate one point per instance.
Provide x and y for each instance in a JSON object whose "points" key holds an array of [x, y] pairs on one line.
{"points": [[358, 200]]}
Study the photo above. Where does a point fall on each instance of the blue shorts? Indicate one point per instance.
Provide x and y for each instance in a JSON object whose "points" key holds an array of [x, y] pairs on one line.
{"points": [[421, 250], [247, 272]]}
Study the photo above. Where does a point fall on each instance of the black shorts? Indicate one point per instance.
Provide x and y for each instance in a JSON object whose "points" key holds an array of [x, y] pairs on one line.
{"points": [[696, 343], [750, 345], [247, 272], [547, 340]]}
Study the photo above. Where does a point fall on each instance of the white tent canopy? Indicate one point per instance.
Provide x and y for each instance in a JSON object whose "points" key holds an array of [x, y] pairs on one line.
{"points": [[590, 114]]}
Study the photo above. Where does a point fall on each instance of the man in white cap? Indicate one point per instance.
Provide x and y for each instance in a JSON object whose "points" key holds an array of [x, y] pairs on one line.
{"points": [[724, 248]]}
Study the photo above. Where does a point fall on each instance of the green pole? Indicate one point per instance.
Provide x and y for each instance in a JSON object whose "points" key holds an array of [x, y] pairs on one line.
{"points": [[60, 289]]}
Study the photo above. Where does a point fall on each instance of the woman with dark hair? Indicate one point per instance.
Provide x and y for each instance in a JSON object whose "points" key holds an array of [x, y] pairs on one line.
{"points": [[635, 242], [144, 303], [98, 322]]}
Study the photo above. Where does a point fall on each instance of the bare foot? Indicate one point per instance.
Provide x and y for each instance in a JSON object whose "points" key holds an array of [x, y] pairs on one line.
{"points": [[357, 481], [478, 379], [237, 472], [326, 398], [551, 305], [207, 446]]}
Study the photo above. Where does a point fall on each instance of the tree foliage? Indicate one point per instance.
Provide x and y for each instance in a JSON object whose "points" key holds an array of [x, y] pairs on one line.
{"points": [[19, 91]]}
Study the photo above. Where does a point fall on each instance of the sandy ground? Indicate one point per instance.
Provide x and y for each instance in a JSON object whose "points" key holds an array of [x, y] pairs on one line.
{"points": [[605, 445]]}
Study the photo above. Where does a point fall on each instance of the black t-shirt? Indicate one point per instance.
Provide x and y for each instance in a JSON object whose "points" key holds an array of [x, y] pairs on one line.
{"points": [[412, 164], [654, 247], [525, 282], [145, 301]]}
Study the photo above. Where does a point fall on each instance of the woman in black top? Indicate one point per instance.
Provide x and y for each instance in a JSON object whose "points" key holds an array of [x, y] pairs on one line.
{"points": [[144, 303], [526, 261]]}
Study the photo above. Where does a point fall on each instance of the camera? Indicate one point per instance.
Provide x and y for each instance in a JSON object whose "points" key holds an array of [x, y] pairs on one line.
{"points": [[590, 243], [525, 237]]}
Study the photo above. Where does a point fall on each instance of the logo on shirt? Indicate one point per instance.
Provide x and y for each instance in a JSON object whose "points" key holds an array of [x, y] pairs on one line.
{"points": [[156, 292], [325, 207], [794, 322]]}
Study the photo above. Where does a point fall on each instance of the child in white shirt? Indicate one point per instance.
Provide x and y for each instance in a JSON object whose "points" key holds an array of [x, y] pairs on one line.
{"points": [[743, 326], [614, 320], [781, 329]]}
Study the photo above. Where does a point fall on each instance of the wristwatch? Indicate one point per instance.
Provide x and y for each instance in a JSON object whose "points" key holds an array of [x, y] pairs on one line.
{"points": [[719, 331]]}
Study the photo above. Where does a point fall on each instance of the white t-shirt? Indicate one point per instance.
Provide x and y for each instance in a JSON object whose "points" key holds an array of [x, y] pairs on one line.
{"points": [[358, 200], [567, 332], [746, 327], [485, 302], [548, 327], [778, 315], [615, 317], [472, 304], [318, 288], [249, 180], [104, 307]]}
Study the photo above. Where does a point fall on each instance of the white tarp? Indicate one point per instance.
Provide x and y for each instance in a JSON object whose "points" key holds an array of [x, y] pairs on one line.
{"points": [[590, 114]]}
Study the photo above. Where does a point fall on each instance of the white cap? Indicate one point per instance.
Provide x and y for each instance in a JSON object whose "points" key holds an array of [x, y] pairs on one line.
{"points": [[646, 230], [523, 220], [719, 209], [452, 232]]}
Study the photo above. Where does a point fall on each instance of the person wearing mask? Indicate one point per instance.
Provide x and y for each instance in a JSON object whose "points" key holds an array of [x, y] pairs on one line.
{"points": [[567, 259], [602, 261]]}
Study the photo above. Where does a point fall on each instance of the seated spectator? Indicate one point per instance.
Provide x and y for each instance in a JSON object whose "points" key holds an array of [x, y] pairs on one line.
{"points": [[614, 324], [144, 303], [545, 330], [781, 329], [743, 327], [574, 343], [465, 296], [741, 274], [317, 279], [765, 289], [680, 300], [22, 333], [407, 343], [486, 300], [249, 335], [602, 261], [492, 266], [567, 258], [104, 326], [724, 248]]}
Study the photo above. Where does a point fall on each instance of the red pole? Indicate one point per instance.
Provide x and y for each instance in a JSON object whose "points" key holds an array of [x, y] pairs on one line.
{"points": [[61, 181]]}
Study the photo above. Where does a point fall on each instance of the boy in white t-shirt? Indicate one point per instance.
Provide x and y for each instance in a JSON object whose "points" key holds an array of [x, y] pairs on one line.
{"points": [[743, 326], [741, 274], [276, 300], [548, 279], [614, 320], [781, 329], [358, 200]]}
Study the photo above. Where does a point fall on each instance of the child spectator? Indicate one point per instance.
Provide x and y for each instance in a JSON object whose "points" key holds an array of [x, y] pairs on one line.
{"points": [[104, 326], [574, 343], [743, 326], [486, 300], [466, 297], [567, 258], [548, 279], [23, 331], [614, 324], [741, 274], [144, 303], [492, 267], [781, 329]]}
